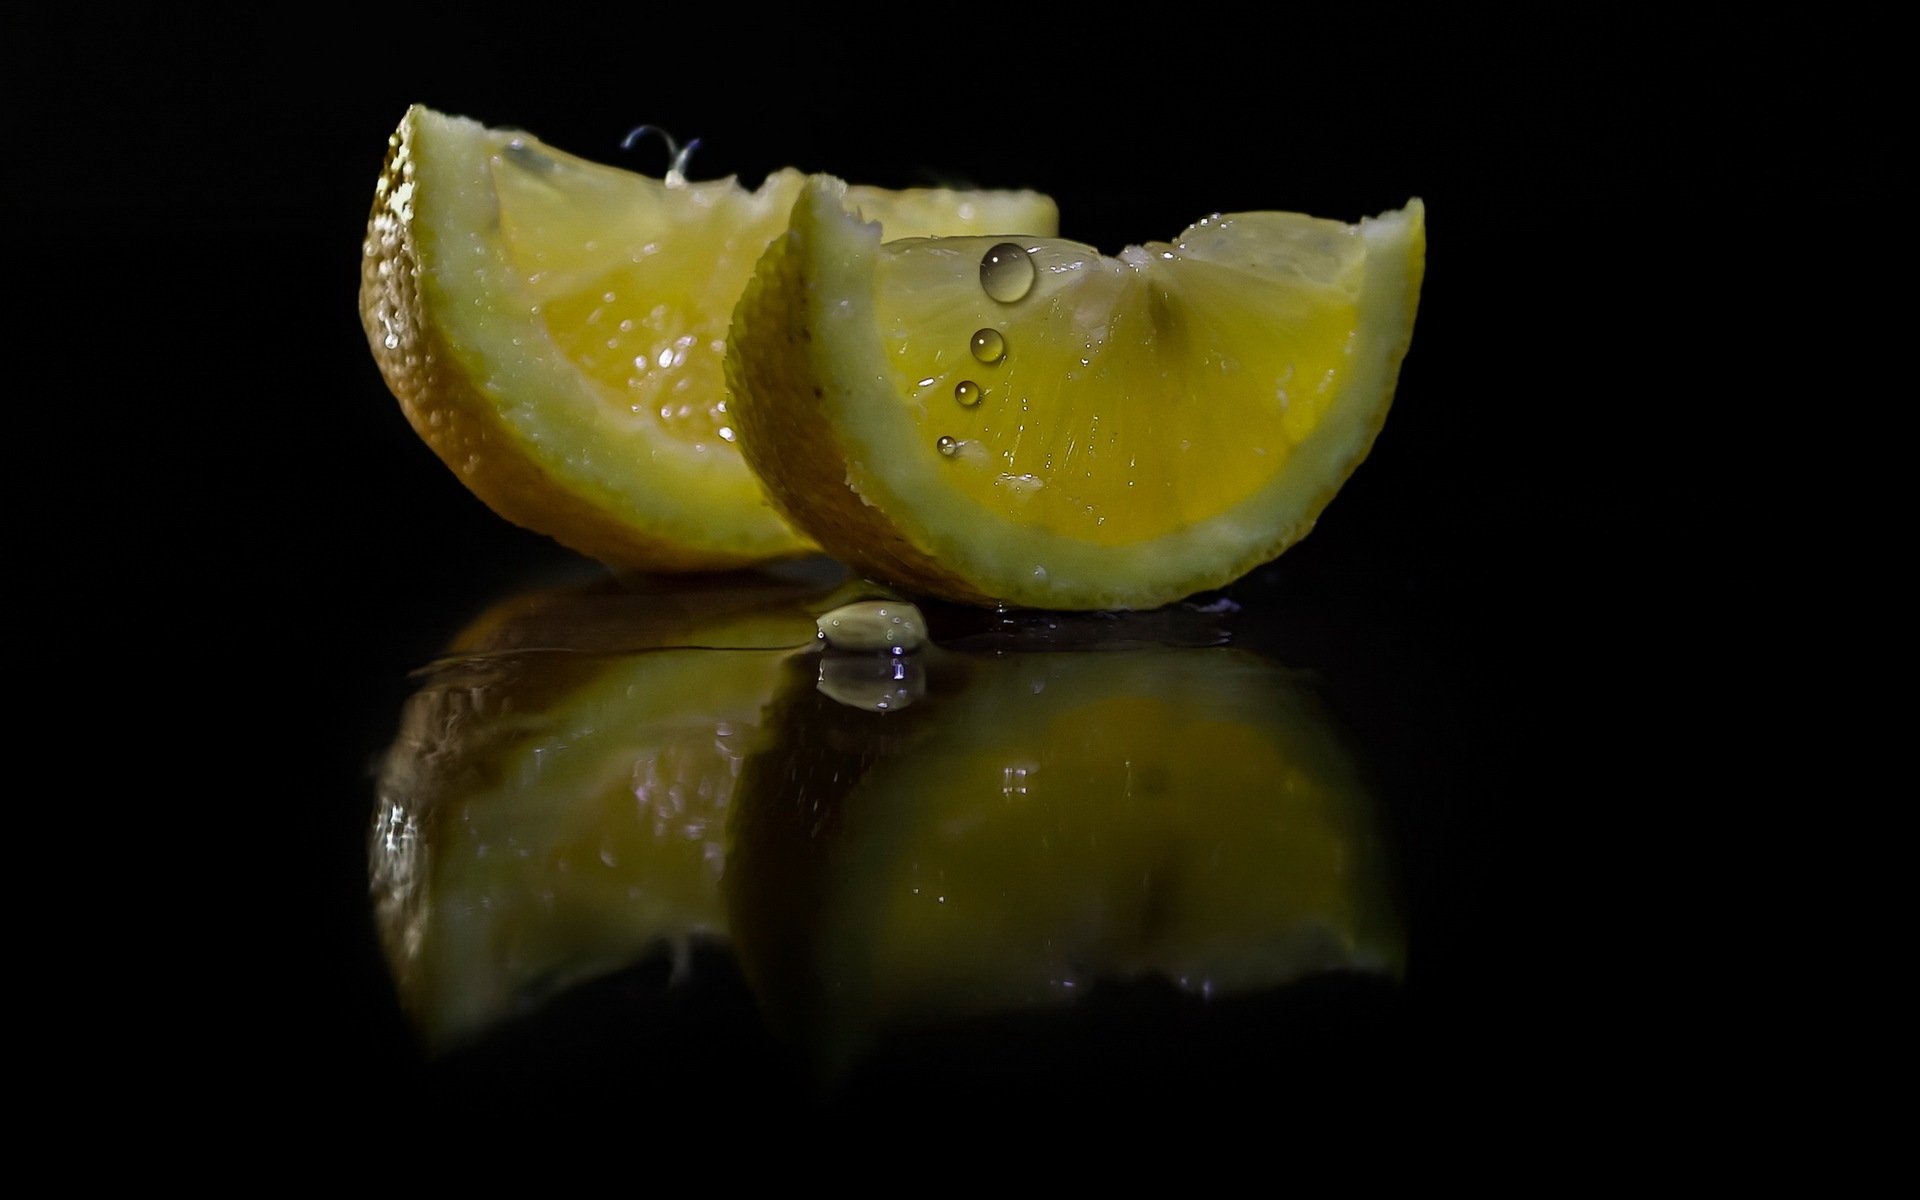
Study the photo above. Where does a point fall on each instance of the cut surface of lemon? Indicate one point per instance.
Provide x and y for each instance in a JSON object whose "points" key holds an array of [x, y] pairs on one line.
{"points": [[1025, 421], [555, 328]]}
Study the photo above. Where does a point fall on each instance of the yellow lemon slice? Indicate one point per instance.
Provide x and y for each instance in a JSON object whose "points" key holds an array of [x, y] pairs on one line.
{"points": [[554, 330], [1024, 421]]}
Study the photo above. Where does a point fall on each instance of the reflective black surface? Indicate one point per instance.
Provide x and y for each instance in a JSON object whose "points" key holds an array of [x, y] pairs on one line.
{"points": [[230, 512], [890, 845]]}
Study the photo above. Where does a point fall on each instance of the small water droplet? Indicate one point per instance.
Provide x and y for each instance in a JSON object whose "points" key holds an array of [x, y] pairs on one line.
{"points": [[967, 392], [988, 346], [947, 446], [1006, 273]]}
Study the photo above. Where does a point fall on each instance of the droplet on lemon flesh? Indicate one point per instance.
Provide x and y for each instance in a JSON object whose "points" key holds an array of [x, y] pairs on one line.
{"points": [[988, 346], [1157, 423], [1006, 272]]}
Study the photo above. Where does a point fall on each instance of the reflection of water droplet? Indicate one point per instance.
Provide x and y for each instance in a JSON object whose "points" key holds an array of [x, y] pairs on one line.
{"points": [[967, 392], [947, 446], [988, 346], [1006, 272], [872, 685]]}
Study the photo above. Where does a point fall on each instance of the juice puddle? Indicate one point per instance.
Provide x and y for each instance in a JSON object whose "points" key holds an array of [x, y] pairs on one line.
{"points": [[1028, 807]]}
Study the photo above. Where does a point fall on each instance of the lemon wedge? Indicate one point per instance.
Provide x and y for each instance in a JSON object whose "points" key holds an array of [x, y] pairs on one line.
{"points": [[554, 329], [1024, 421]]}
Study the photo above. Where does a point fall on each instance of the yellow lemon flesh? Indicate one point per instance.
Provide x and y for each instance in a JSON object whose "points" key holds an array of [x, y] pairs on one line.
{"points": [[1025, 421], [554, 329]]}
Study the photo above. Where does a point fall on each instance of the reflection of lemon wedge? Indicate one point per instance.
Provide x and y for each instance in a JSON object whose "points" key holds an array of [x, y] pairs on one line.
{"points": [[1042, 823], [1028, 421], [555, 803], [554, 329]]}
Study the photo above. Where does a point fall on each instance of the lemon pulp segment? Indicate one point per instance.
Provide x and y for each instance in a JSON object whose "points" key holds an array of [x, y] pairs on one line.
{"points": [[627, 281], [1114, 404]]}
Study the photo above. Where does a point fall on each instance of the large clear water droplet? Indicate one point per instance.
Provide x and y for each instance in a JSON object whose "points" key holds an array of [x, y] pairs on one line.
{"points": [[874, 625], [988, 346], [1007, 272]]}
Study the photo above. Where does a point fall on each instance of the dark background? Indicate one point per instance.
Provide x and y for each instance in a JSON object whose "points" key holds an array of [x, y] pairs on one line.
{"points": [[239, 522]]}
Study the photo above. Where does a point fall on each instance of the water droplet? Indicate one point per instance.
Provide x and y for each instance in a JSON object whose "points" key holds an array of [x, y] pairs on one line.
{"points": [[874, 625], [988, 346], [967, 392], [1006, 272], [947, 446]]}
